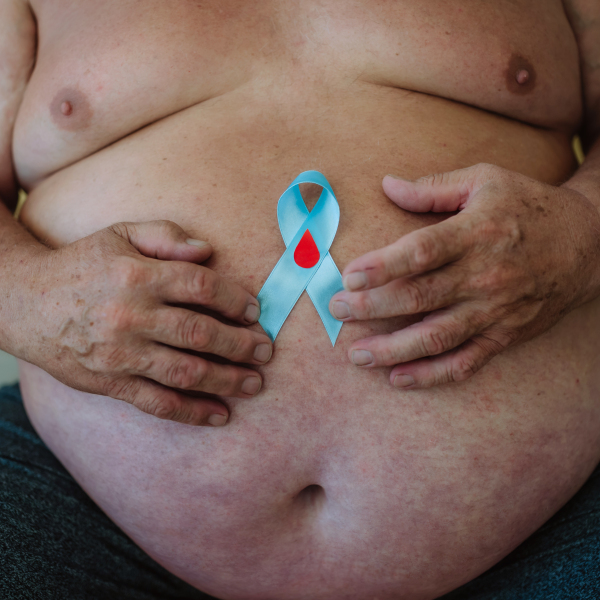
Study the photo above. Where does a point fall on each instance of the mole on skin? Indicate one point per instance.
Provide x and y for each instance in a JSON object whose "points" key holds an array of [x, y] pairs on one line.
{"points": [[520, 75], [70, 109]]}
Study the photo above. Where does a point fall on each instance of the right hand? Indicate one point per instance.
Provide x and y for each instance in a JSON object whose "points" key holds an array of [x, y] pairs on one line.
{"points": [[98, 315]]}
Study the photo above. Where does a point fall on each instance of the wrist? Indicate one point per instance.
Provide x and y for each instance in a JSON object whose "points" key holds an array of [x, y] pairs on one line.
{"points": [[21, 269]]}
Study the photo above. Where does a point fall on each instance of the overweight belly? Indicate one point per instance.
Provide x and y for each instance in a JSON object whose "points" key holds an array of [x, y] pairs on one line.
{"points": [[330, 484]]}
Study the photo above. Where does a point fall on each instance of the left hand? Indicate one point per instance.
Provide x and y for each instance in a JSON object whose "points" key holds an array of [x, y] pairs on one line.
{"points": [[508, 266]]}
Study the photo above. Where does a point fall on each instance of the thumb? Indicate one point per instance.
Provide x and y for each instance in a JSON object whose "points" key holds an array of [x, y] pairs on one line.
{"points": [[445, 192], [163, 240]]}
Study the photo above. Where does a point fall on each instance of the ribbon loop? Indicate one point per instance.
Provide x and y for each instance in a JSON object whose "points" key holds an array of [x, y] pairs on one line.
{"points": [[304, 234]]}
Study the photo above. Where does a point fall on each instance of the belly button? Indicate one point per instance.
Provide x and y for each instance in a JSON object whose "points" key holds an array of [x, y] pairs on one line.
{"points": [[311, 496]]}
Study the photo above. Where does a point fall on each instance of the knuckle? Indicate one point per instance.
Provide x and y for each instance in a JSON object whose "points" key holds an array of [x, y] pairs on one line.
{"points": [[203, 285], [127, 272], [487, 170], [389, 352], [436, 341], [114, 358], [424, 254], [167, 408], [241, 344], [167, 227], [117, 316], [121, 388], [435, 179], [184, 374], [488, 231], [463, 368], [361, 306], [496, 279], [197, 332], [414, 300], [121, 229]]}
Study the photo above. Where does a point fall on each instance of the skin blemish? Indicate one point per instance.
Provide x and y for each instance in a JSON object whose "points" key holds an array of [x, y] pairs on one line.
{"points": [[520, 75], [71, 110]]}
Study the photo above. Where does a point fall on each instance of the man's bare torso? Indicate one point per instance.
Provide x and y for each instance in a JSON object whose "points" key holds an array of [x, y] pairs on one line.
{"points": [[330, 484]]}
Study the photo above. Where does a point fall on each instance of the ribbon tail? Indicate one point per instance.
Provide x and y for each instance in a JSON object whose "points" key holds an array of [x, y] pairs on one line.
{"points": [[326, 282], [280, 293]]}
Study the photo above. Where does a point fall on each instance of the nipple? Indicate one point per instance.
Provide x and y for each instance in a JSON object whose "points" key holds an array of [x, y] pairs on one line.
{"points": [[306, 253], [522, 76], [66, 108], [71, 110]]}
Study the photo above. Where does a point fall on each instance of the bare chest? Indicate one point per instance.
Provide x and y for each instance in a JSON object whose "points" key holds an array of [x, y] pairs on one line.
{"points": [[107, 69]]}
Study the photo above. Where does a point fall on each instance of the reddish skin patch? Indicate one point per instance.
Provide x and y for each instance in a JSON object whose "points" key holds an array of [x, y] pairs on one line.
{"points": [[520, 75], [70, 109], [306, 253]]}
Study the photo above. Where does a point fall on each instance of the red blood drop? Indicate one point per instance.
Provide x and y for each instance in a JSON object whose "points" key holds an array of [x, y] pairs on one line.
{"points": [[306, 253]]}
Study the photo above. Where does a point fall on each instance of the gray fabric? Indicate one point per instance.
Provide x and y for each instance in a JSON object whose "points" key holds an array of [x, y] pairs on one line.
{"points": [[55, 543]]}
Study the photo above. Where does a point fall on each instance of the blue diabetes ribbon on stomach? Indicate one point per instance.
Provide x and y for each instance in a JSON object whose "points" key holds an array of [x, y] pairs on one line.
{"points": [[287, 281]]}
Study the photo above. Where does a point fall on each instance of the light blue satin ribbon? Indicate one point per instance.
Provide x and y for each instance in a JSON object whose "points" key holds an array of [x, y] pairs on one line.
{"points": [[287, 280]]}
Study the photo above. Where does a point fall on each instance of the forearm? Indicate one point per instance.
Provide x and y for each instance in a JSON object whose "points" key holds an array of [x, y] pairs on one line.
{"points": [[17, 251]]}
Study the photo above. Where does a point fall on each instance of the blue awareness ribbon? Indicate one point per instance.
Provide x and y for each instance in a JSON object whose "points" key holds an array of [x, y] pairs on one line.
{"points": [[288, 280]]}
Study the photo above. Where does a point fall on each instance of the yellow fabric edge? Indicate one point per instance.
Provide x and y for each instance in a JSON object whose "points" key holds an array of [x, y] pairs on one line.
{"points": [[20, 202], [578, 149]]}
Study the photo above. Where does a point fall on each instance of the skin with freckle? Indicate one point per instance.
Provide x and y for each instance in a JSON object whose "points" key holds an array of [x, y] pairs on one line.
{"points": [[330, 484]]}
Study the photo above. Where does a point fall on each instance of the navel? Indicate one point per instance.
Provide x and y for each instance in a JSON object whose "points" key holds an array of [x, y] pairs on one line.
{"points": [[70, 109], [520, 75]]}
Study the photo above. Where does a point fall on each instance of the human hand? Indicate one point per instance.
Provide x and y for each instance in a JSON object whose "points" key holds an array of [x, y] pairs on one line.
{"points": [[507, 267], [99, 316]]}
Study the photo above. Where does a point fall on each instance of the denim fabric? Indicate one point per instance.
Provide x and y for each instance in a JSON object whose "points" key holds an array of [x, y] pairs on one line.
{"points": [[560, 561], [56, 544]]}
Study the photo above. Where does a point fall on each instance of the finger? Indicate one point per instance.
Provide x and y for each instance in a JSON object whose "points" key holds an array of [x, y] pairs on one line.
{"points": [[458, 365], [189, 330], [163, 240], [406, 296], [442, 192], [169, 404], [192, 373], [417, 252], [184, 283], [437, 333]]}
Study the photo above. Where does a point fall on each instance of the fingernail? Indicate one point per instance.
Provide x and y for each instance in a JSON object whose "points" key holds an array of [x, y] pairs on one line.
{"points": [[252, 313], [251, 385], [340, 310], [396, 177], [362, 358], [197, 243], [262, 353], [355, 281], [217, 420], [402, 381]]}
